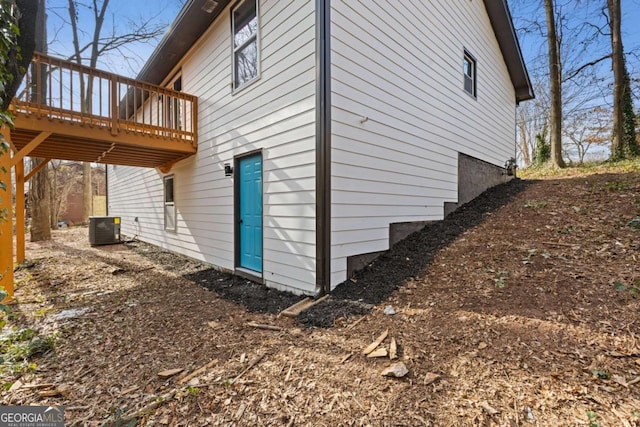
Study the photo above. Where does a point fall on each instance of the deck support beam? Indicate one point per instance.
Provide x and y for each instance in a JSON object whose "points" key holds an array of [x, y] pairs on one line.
{"points": [[27, 149], [35, 170], [20, 205], [6, 224]]}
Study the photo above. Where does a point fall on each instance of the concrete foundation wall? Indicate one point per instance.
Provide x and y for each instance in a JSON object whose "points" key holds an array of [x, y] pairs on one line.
{"points": [[474, 177]]}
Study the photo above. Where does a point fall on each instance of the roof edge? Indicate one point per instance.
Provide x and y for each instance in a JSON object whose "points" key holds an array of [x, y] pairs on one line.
{"points": [[502, 23], [195, 17]]}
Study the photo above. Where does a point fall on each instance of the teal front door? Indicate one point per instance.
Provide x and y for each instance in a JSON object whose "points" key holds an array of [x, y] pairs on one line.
{"points": [[250, 212]]}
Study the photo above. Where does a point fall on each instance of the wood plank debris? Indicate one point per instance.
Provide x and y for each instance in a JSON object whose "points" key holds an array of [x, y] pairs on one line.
{"points": [[62, 389], [376, 343], [265, 327], [301, 306], [431, 378], [183, 379], [379, 352], [170, 372], [129, 390], [393, 349]]}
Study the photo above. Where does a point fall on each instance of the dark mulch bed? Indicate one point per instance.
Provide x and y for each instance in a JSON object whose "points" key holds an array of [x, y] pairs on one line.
{"points": [[253, 296], [409, 258], [370, 286]]}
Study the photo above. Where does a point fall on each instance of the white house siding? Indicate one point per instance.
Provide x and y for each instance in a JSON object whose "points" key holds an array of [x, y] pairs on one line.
{"points": [[400, 114], [275, 114]]}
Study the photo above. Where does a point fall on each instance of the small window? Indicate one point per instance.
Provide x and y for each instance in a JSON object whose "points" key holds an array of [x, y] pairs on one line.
{"points": [[169, 205], [469, 64], [244, 24]]}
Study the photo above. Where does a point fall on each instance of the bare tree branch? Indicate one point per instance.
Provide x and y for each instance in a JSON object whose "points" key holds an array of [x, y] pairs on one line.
{"points": [[578, 70]]}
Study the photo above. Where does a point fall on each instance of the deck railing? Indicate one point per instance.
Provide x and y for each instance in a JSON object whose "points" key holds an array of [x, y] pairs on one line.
{"points": [[64, 90]]}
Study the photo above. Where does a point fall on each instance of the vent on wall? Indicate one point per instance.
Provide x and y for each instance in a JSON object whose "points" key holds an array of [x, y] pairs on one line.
{"points": [[104, 230], [209, 5]]}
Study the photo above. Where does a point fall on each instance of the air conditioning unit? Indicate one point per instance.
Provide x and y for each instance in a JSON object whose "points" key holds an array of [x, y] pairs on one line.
{"points": [[104, 230]]}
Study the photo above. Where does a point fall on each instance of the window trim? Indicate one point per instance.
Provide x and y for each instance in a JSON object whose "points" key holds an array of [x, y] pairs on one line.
{"points": [[169, 205], [468, 57], [234, 50]]}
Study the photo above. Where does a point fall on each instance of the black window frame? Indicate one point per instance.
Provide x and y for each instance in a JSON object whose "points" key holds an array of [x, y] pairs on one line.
{"points": [[470, 79], [254, 37], [169, 202]]}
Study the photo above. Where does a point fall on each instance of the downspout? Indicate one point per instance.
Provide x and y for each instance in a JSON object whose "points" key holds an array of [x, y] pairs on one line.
{"points": [[323, 146], [106, 189]]}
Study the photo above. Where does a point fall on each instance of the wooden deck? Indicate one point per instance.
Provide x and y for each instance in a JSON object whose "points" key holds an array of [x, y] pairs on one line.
{"points": [[72, 112], [67, 111]]}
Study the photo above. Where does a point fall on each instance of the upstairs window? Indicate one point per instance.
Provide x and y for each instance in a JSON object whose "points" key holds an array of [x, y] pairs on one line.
{"points": [[244, 23], [169, 205], [469, 70]]}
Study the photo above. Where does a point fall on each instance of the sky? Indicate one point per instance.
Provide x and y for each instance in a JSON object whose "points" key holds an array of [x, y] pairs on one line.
{"points": [[525, 11], [122, 14]]}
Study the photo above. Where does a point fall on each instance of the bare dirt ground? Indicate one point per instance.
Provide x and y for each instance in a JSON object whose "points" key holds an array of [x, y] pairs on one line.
{"points": [[520, 309]]}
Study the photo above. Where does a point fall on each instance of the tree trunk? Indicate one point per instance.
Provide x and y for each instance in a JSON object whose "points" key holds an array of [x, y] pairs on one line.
{"points": [[524, 143], [87, 199], [18, 61], [629, 140], [39, 184], [555, 77], [39, 198], [617, 63], [53, 186]]}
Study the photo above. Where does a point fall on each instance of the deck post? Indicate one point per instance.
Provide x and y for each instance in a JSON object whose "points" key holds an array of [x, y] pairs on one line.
{"points": [[113, 80], [6, 223], [20, 239]]}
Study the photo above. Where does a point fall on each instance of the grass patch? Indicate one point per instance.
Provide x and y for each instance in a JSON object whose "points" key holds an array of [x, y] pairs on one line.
{"points": [[623, 166], [18, 348]]}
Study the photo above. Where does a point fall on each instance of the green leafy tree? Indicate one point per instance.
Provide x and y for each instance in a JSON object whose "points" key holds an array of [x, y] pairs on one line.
{"points": [[9, 32], [542, 153], [17, 30], [17, 38], [629, 141]]}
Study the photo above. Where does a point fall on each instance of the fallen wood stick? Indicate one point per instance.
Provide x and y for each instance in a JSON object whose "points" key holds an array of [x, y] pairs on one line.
{"points": [[569, 245], [633, 381], [345, 358], [253, 363], [184, 378], [265, 327], [36, 386], [146, 410], [288, 376], [353, 325]]}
